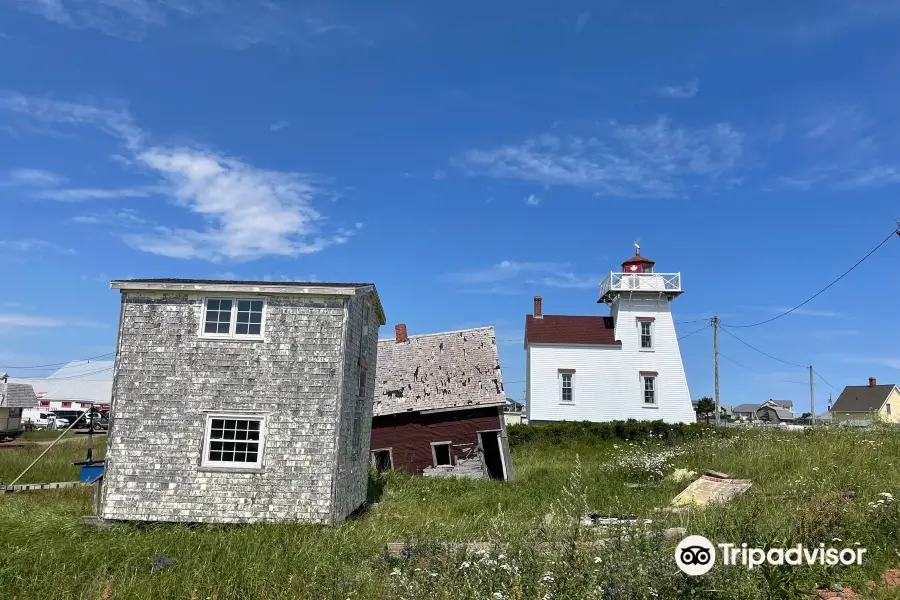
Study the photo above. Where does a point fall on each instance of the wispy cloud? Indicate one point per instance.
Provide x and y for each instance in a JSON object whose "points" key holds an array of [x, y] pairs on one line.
{"points": [[235, 23], [532, 200], [33, 245], [121, 218], [439, 174], [31, 177], [884, 361], [687, 90], [16, 320], [582, 21], [278, 126], [810, 312], [656, 159], [46, 185], [249, 212], [507, 276]]}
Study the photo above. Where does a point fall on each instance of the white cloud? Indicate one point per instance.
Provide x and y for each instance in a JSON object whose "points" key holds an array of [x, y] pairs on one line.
{"points": [[236, 23], [656, 159], [15, 320], [78, 194], [32, 177], [582, 20], [33, 245], [687, 90], [122, 218], [885, 361], [248, 212], [278, 126], [439, 174], [532, 200], [495, 279], [810, 312]]}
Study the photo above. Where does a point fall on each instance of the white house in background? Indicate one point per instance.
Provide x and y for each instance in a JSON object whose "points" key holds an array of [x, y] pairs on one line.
{"points": [[624, 366]]}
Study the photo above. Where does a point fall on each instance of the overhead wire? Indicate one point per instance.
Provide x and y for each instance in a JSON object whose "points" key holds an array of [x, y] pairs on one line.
{"points": [[826, 381], [752, 347], [687, 335], [820, 292], [85, 360]]}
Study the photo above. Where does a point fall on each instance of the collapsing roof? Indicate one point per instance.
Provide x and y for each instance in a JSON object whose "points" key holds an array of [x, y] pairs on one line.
{"points": [[456, 369], [17, 395]]}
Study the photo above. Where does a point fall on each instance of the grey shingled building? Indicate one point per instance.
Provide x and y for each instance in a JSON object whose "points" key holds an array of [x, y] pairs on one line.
{"points": [[241, 401]]}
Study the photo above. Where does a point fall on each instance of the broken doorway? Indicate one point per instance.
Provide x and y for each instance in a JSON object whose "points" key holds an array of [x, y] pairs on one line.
{"points": [[493, 457]]}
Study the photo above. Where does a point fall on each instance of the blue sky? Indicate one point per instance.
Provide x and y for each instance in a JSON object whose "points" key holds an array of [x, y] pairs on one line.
{"points": [[464, 158]]}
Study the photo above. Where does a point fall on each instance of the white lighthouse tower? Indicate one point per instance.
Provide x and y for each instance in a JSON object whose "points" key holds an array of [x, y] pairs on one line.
{"points": [[640, 301]]}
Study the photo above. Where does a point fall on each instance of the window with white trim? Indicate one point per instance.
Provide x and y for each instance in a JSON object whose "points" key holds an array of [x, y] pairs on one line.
{"points": [[567, 387], [648, 384], [646, 333], [233, 441], [233, 317]]}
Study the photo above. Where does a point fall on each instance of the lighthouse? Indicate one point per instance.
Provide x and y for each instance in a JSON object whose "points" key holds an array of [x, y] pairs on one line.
{"points": [[604, 368]]}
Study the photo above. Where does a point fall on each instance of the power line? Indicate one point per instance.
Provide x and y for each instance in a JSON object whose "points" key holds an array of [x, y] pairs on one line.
{"points": [[687, 335], [817, 294], [755, 371], [764, 353], [79, 376], [691, 321], [825, 380], [108, 354]]}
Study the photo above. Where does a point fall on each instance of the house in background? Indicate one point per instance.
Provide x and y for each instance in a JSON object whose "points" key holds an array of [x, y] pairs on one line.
{"points": [[76, 386], [514, 412], [601, 368], [241, 401], [859, 404], [439, 404], [13, 398], [775, 411]]}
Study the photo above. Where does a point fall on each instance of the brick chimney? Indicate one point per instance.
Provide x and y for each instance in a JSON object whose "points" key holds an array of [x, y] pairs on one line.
{"points": [[538, 308], [400, 331], [871, 382]]}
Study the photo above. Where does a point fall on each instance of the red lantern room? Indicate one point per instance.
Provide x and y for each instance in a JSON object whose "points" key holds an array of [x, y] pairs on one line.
{"points": [[638, 263]]}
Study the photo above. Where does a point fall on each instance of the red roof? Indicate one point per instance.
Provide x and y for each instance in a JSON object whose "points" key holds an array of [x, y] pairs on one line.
{"points": [[565, 329], [638, 259]]}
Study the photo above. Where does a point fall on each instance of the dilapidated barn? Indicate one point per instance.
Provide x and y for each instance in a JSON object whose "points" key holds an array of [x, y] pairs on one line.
{"points": [[241, 401], [439, 404]]}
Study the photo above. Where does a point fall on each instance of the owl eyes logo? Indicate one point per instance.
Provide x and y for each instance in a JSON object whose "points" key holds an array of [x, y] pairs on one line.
{"points": [[695, 555]]}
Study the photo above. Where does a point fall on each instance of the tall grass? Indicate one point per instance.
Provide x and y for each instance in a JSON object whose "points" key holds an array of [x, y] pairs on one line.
{"points": [[533, 523]]}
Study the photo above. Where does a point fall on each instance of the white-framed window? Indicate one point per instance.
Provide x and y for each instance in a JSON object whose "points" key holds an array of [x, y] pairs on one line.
{"points": [[648, 388], [567, 385], [233, 318], [234, 441], [888, 408], [645, 334], [440, 453]]}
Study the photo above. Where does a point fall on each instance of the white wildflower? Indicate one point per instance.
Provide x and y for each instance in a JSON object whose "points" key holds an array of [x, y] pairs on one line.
{"points": [[466, 564], [597, 560], [396, 572], [547, 578]]}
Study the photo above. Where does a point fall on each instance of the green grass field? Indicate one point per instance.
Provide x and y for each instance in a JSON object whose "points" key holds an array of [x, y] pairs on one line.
{"points": [[47, 553]]}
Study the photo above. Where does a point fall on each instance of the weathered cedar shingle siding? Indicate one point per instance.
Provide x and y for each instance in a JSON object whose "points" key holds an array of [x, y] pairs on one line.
{"points": [[300, 377]]}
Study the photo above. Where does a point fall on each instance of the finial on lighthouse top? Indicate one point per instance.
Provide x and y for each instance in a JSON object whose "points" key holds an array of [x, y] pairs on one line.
{"points": [[637, 263]]}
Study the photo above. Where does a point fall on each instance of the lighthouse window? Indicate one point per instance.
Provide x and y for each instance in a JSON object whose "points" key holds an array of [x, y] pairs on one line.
{"points": [[649, 382], [646, 334], [567, 390]]}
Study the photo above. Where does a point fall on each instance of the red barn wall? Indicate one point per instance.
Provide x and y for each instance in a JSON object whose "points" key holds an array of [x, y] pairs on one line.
{"points": [[409, 435]]}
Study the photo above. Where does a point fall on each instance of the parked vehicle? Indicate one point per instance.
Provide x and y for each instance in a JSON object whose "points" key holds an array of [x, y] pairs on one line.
{"points": [[46, 419]]}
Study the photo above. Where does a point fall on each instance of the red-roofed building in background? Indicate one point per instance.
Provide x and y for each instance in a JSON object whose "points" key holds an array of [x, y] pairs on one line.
{"points": [[602, 368]]}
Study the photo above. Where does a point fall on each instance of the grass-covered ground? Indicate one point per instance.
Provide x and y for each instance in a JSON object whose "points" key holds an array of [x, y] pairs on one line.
{"points": [[45, 552]]}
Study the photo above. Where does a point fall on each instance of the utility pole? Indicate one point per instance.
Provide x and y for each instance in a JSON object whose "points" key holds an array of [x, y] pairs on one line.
{"points": [[715, 324], [812, 396]]}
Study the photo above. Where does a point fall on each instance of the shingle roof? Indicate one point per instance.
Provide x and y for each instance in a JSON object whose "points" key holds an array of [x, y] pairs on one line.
{"points": [[862, 398], [17, 395], [566, 329], [436, 371], [231, 282], [745, 408]]}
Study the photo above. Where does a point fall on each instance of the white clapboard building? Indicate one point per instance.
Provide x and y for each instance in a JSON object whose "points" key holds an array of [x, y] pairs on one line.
{"points": [[602, 368]]}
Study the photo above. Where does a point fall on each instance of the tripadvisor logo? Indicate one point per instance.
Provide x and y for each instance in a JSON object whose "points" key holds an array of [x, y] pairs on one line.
{"points": [[696, 555]]}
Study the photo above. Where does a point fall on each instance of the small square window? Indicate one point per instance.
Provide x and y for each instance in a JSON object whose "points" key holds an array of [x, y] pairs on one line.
{"points": [[233, 317], [440, 452], [67, 405], [233, 442]]}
